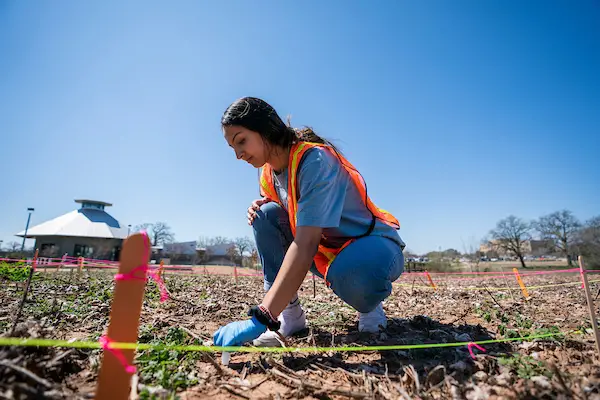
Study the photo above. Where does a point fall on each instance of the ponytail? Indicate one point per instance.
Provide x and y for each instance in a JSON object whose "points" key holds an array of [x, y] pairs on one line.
{"points": [[306, 134]]}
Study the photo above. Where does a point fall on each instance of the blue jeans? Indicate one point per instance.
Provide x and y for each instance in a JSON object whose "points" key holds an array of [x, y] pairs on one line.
{"points": [[361, 275]]}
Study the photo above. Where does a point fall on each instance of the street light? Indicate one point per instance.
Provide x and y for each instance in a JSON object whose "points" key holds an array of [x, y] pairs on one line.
{"points": [[30, 209], [128, 229]]}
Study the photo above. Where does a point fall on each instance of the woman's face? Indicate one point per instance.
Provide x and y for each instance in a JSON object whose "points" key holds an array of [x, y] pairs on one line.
{"points": [[248, 145]]}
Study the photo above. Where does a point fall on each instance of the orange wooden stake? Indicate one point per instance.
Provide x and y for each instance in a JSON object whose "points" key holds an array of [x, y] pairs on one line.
{"points": [[114, 380], [161, 269], [430, 280], [35, 258], [590, 303], [79, 265], [523, 288]]}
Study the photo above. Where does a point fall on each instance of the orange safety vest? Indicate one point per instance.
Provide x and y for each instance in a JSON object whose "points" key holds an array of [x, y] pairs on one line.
{"points": [[325, 255]]}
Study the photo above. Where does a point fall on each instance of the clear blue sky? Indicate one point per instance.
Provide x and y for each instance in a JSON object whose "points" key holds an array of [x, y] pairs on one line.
{"points": [[457, 113]]}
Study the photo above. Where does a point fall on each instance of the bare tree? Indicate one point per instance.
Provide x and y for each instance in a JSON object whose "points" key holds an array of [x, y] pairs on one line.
{"points": [[560, 227], [254, 258], [220, 240], [13, 246], [159, 232], [510, 234], [234, 254], [206, 242], [588, 242], [143, 227], [244, 245]]}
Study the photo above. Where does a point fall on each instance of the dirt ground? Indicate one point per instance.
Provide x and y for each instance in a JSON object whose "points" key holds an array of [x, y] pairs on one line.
{"points": [[65, 306]]}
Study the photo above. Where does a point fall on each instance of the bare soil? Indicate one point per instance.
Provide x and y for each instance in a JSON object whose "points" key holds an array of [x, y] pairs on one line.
{"points": [[65, 306]]}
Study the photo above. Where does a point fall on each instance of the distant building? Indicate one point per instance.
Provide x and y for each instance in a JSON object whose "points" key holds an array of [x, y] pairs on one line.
{"points": [[220, 254], [88, 232], [188, 253], [529, 247]]}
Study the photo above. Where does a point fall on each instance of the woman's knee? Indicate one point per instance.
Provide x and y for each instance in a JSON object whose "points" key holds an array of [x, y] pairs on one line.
{"points": [[268, 216], [365, 297], [363, 273]]}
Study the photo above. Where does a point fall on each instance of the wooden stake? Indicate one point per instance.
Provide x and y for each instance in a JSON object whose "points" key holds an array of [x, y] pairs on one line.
{"points": [[161, 269], [25, 291], [590, 302], [430, 280], [507, 285], [523, 288], [113, 380]]}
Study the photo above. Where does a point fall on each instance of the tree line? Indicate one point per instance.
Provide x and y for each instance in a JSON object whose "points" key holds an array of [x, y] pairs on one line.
{"points": [[241, 250], [564, 232]]}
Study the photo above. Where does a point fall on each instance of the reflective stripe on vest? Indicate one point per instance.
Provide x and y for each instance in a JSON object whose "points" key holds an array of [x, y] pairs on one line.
{"points": [[325, 256]]}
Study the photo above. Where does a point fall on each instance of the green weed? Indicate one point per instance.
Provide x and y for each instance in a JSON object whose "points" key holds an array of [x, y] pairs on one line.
{"points": [[14, 272], [525, 366], [170, 369]]}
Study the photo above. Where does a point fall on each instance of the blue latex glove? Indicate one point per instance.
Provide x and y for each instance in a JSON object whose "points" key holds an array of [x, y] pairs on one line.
{"points": [[238, 332]]}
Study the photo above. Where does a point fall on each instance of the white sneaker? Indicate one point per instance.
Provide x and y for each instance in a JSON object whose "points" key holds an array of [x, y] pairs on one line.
{"points": [[372, 321], [292, 318]]}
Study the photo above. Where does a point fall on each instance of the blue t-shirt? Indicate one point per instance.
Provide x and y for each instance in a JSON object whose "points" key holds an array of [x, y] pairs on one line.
{"points": [[329, 199]]}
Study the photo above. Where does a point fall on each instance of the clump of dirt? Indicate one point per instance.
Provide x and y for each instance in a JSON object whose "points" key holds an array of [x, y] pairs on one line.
{"points": [[39, 372]]}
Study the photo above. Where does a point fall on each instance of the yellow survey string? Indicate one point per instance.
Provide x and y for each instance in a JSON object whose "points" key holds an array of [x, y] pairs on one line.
{"points": [[213, 349]]}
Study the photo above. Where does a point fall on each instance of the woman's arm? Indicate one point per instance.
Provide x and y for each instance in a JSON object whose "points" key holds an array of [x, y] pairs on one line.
{"points": [[322, 186], [295, 266]]}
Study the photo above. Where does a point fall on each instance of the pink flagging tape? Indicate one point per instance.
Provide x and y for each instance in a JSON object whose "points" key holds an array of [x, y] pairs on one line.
{"points": [[470, 347], [164, 294], [548, 271], [106, 342]]}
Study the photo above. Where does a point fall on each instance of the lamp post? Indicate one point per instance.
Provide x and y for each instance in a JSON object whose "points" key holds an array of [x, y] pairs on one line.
{"points": [[1, 241], [30, 210], [128, 229]]}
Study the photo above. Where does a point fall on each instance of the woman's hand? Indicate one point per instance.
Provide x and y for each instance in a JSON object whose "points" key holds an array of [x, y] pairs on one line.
{"points": [[255, 207], [239, 332]]}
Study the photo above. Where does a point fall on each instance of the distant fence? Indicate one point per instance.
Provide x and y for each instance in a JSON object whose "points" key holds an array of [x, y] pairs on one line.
{"points": [[413, 266]]}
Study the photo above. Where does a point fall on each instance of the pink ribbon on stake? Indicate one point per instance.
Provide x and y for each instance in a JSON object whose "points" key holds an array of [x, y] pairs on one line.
{"points": [[106, 342], [470, 347], [164, 295]]}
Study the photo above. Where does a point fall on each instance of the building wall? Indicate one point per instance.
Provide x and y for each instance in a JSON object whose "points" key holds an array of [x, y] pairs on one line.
{"points": [[57, 246], [529, 247]]}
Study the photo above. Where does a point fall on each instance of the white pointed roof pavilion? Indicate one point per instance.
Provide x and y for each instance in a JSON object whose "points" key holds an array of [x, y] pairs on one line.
{"points": [[89, 221]]}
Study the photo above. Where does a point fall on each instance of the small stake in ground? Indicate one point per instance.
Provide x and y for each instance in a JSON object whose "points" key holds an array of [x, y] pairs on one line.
{"points": [[114, 380], [161, 269], [430, 280], [523, 288], [25, 291], [590, 302], [507, 285]]}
